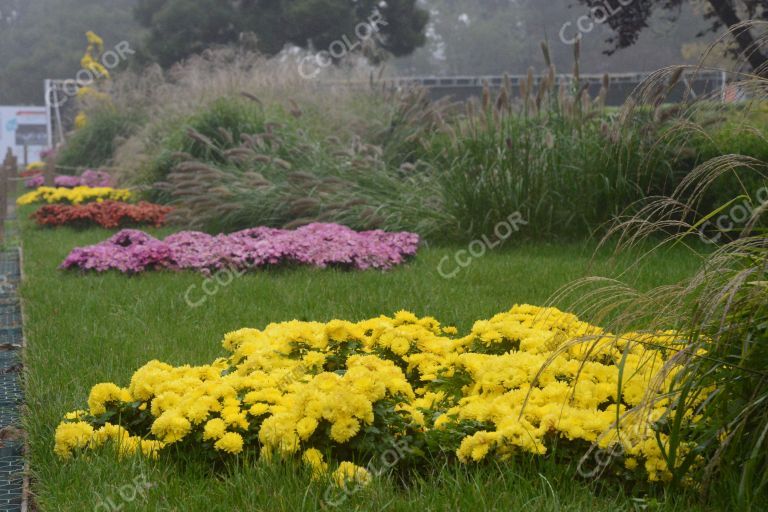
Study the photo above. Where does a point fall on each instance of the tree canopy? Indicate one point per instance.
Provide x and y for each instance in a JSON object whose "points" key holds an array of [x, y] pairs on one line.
{"points": [[179, 28], [42, 39], [497, 36], [629, 19]]}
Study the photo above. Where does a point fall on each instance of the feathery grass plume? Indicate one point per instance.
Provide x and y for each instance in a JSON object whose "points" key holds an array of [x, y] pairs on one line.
{"points": [[303, 206], [586, 101], [284, 164], [199, 137], [602, 95], [674, 78], [469, 126], [523, 90], [240, 153], [541, 93], [486, 97], [552, 79], [251, 97], [526, 86], [562, 94], [502, 100], [545, 51], [226, 135], [576, 60]]}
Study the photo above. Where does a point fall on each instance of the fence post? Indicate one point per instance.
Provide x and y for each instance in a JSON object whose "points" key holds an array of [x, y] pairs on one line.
{"points": [[50, 171], [5, 171]]}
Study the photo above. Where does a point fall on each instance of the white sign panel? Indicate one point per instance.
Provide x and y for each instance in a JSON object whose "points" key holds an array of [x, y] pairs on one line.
{"points": [[23, 126]]}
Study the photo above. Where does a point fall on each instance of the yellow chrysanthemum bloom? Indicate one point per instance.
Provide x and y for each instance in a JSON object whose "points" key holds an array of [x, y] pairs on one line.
{"points": [[171, 427], [76, 415], [70, 437], [102, 394], [230, 442], [94, 39], [151, 449], [314, 459], [347, 473], [344, 429], [81, 120], [214, 429]]}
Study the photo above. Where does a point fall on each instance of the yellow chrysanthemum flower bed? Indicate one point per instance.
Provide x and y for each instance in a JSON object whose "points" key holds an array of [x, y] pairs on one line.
{"points": [[77, 195], [339, 394]]}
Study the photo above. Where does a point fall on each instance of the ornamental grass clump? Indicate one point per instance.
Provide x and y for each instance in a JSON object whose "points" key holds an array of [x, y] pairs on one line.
{"points": [[318, 245], [77, 195], [235, 140], [557, 155], [720, 369], [338, 394], [107, 214]]}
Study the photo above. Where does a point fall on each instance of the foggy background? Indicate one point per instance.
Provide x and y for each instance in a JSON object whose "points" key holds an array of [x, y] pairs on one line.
{"points": [[44, 39]]}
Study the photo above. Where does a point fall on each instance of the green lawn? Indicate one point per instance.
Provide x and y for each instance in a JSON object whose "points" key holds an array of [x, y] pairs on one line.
{"points": [[85, 329]]}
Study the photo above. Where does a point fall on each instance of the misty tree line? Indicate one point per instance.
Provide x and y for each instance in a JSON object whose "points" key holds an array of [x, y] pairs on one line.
{"points": [[44, 38]]}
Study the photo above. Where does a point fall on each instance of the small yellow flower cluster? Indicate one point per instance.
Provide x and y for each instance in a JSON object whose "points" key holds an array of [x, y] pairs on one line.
{"points": [[74, 435], [93, 52], [343, 390], [81, 120], [91, 62], [77, 195], [349, 472]]}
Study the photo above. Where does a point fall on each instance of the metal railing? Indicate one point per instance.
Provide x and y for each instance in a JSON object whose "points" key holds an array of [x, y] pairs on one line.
{"points": [[701, 83]]}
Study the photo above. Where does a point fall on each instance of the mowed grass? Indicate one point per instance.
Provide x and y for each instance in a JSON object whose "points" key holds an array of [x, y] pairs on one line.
{"points": [[85, 329]]}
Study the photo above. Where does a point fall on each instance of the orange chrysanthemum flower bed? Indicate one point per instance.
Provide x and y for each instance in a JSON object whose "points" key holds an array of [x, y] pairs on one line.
{"points": [[107, 214]]}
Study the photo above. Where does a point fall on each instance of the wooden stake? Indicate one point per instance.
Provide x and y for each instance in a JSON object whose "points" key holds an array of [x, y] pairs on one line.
{"points": [[5, 171], [50, 171]]}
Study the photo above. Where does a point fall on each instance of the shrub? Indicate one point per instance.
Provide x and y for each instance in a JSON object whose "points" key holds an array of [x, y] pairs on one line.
{"points": [[237, 92], [284, 178], [95, 144], [219, 125]]}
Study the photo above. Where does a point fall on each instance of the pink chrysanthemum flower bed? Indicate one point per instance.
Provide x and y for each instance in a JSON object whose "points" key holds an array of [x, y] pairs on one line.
{"points": [[89, 178], [318, 245]]}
